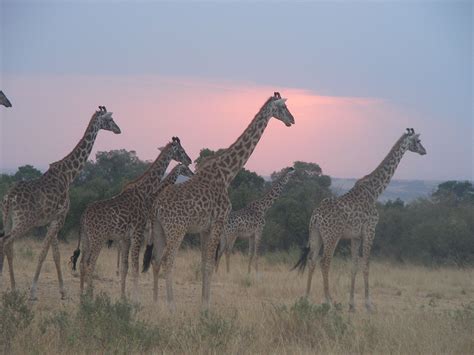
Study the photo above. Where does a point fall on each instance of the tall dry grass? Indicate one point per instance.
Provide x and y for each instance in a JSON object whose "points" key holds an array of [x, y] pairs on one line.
{"points": [[419, 310]]}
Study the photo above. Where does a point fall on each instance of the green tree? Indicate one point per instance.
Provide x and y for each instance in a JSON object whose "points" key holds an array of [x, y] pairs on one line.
{"points": [[27, 172]]}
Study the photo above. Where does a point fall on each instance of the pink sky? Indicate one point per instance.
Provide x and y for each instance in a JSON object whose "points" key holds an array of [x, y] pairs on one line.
{"points": [[347, 136]]}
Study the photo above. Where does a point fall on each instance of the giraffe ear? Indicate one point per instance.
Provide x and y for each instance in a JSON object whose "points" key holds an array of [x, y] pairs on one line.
{"points": [[107, 115], [161, 149]]}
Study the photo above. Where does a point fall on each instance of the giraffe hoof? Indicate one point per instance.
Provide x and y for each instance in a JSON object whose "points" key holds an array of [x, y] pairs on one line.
{"points": [[33, 298], [370, 308]]}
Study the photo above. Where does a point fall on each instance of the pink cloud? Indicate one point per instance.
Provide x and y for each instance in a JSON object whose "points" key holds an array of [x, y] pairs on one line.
{"points": [[347, 136]]}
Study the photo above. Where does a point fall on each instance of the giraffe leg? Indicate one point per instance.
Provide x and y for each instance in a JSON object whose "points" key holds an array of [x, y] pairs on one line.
{"points": [[16, 232], [135, 257], [51, 238], [169, 255], [57, 261], [328, 252], [44, 252], [124, 270], [258, 238], [228, 251], [90, 268], [208, 268], [158, 248], [366, 247], [251, 252], [9, 254], [315, 243], [119, 247], [355, 246]]}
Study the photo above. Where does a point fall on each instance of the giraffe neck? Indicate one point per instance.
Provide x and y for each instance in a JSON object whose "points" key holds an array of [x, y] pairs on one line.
{"points": [[229, 162], [270, 197], [72, 164], [149, 182], [377, 181]]}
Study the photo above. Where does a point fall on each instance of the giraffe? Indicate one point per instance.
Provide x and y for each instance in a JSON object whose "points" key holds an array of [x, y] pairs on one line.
{"points": [[249, 222], [353, 216], [170, 179], [124, 218], [202, 205], [4, 100], [45, 200]]}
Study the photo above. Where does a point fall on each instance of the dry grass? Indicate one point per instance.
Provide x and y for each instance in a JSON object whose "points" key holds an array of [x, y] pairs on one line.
{"points": [[419, 310]]}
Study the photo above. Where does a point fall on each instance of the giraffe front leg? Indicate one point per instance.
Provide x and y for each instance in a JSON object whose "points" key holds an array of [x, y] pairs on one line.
{"points": [[124, 270], [328, 252], [355, 246], [208, 261], [158, 249], [251, 253], [366, 247], [41, 258], [9, 254], [258, 238], [168, 261], [228, 251], [57, 261], [135, 256]]}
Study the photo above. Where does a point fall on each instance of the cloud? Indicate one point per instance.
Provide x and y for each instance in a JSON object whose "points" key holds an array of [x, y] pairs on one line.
{"points": [[347, 136]]}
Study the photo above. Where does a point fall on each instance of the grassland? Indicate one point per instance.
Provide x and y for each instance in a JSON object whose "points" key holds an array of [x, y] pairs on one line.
{"points": [[419, 310]]}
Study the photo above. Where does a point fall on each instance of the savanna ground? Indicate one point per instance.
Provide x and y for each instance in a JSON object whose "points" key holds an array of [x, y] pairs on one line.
{"points": [[419, 310]]}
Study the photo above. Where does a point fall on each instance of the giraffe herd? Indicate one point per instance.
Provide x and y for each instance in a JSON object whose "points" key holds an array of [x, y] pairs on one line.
{"points": [[155, 211]]}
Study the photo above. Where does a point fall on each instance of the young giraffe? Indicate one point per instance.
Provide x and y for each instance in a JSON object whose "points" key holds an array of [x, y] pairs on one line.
{"points": [[45, 201], [124, 218], [353, 216], [170, 179], [4, 101], [249, 222], [202, 205]]}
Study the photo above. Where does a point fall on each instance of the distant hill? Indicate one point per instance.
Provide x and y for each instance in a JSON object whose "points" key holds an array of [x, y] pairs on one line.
{"points": [[406, 190]]}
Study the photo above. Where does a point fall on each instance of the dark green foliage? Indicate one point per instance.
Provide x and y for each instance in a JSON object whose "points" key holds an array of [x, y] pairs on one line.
{"points": [[436, 230]]}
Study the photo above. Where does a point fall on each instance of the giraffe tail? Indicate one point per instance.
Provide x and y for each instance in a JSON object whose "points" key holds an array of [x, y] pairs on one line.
{"points": [[303, 261], [77, 252], [109, 243], [147, 257]]}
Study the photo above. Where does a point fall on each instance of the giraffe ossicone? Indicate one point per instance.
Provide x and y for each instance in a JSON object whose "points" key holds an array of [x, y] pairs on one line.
{"points": [[201, 204], [45, 201], [353, 216]]}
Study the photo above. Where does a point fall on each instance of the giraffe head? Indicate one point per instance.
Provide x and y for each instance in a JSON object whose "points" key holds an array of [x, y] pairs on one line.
{"points": [[4, 101], [178, 152], [279, 110], [105, 120], [414, 142], [184, 170], [287, 173]]}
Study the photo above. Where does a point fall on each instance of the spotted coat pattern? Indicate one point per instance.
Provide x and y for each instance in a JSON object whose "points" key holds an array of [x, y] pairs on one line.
{"points": [[45, 200], [124, 218], [201, 204], [354, 216], [249, 222]]}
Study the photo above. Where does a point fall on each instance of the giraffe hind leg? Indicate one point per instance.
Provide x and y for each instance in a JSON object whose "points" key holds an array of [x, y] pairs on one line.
{"points": [[315, 243]]}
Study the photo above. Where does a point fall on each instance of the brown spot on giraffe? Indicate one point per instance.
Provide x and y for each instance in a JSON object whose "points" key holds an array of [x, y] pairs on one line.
{"points": [[201, 204], [249, 222], [45, 201], [353, 216]]}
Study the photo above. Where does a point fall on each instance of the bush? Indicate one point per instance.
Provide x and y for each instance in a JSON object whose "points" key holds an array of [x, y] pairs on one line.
{"points": [[310, 323], [15, 316]]}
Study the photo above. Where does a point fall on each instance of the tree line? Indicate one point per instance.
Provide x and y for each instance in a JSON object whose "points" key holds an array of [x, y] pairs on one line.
{"points": [[438, 229]]}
